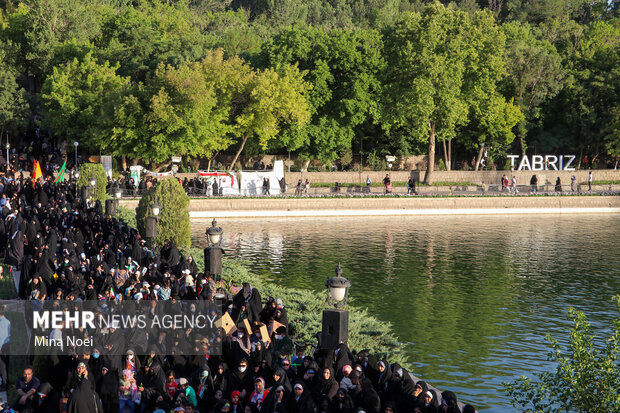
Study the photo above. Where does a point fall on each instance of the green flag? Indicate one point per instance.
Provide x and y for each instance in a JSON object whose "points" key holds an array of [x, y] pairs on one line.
{"points": [[61, 174]]}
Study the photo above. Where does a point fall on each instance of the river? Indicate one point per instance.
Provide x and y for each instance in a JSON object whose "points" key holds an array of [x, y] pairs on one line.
{"points": [[471, 297]]}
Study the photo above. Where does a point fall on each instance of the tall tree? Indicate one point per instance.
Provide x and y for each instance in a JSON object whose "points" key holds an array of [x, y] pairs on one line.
{"points": [[442, 70], [583, 116], [14, 107], [38, 27], [343, 68], [78, 97], [139, 38], [535, 73]]}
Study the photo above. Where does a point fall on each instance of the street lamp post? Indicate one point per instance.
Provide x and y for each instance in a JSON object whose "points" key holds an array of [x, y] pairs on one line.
{"points": [[93, 182], [8, 146], [335, 326], [118, 194], [75, 144], [213, 252], [76, 176]]}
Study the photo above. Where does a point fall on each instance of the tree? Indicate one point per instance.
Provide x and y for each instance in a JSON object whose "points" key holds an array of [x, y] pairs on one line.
{"points": [[343, 68], [586, 377], [173, 221], [78, 98], [535, 73], [267, 100], [38, 27], [583, 116], [139, 38], [96, 170], [442, 72], [176, 112], [14, 107]]}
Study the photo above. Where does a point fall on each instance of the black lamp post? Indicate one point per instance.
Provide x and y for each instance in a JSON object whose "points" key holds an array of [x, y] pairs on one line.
{"points": [[76, 176], [151, 221], [8, 146], [213, 252], [335, 326], [117, 194], [92, 182]]}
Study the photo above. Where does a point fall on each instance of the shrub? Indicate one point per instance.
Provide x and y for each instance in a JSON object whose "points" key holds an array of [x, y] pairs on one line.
{"points": [[586, 377], [173, 221], [88, 170]]}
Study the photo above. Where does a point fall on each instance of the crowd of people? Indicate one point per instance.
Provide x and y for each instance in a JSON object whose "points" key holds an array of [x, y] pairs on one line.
{"points": [[68, 251]]}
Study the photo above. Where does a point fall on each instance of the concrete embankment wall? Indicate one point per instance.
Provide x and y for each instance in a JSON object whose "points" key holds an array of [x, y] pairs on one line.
{"points": [[340, 206]]}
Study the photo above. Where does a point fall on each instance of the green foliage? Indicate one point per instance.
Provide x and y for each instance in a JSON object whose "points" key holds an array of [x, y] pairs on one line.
{"points": [[89, 170], [173, 222], [78, 99], [142, 37], [14, 107], [128, 217], [38, 27], [443, 67], [343, 68], [586, 377]]}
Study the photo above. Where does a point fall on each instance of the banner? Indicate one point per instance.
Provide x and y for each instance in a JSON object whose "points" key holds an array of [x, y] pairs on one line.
{"points": [[106, 161], [112, 326]]}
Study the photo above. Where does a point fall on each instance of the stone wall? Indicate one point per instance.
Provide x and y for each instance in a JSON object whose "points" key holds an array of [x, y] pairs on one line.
{"points": [[489, 177], [230, 206]]}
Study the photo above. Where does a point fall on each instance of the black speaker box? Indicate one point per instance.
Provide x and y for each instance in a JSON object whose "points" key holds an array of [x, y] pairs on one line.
{"points": [[110, 207], [151, 227], [335, 328]]}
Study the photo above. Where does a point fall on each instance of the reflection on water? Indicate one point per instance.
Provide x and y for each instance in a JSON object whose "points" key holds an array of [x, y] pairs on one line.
{"points": [[473, 297]]}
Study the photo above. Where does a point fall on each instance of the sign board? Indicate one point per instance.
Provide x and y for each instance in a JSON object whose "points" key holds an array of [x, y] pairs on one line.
{"points": [[176, 159], [264, 334], [246, 325], [106, 161], [543, 163], [226, 323], [135, 174]]}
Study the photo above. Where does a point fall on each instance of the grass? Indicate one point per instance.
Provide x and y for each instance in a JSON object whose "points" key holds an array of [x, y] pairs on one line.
{"points": [[608, 182]]}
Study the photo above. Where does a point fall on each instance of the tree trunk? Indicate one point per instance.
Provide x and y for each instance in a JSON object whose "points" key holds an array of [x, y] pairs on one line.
{"points": [[428, 178], [232, 164], [445, 155], [478, 158], [449, 165], [522, 144], [124, 162]]}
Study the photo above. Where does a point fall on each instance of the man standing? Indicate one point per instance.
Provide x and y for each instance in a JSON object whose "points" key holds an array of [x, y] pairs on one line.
{"points": [[590, 181]]}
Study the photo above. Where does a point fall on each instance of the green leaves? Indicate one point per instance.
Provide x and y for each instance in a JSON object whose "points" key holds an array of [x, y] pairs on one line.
{"points": [[586, 377], [441, 78], [342, 67], [173, 221], [78, 99]]}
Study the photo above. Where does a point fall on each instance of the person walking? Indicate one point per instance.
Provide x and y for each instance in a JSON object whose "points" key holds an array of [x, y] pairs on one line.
{"points": [[573, 183], [514, 184], [534, 183], [590, 178], [388, 184]]}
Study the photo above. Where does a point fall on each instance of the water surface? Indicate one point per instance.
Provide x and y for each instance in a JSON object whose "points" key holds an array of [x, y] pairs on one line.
{"points": [[471, 297]]}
